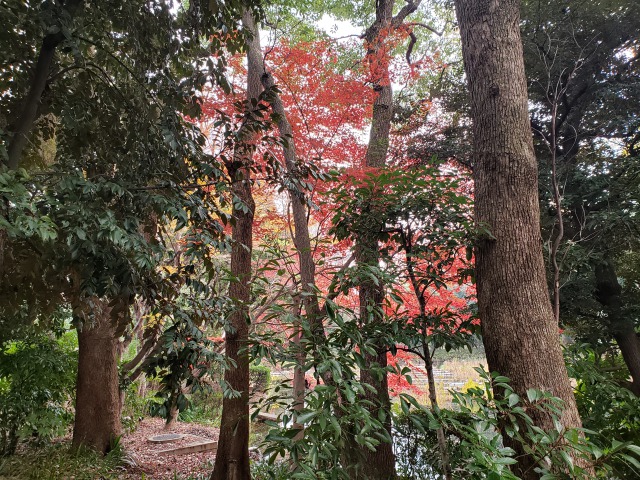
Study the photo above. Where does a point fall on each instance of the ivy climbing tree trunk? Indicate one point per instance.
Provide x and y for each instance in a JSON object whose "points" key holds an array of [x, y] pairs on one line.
{"points": [[97, 422], [519, 331], [232, 457]]}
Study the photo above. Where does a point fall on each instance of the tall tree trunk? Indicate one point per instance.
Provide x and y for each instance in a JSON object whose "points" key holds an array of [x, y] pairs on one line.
{"points": [[518, 327], [97, 421], [302, 243], [609, 294], [380, 462], [232, 457], [30, 105]]}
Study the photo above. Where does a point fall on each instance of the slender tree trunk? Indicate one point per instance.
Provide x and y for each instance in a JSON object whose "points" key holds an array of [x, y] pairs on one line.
{"points": [[172, 416], [433, 399], [29, 112], [232, 457], [97, 421], [142, 387], [609, 294], [379, 463], [426, 353], [302, 243], [629, 344], [519, 330], [299, 384], [302, 238], [557, 199]]}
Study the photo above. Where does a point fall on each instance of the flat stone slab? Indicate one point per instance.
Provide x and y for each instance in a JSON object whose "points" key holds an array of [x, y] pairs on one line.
{"points": [[267, 416], [166, 438], [196, 447]]}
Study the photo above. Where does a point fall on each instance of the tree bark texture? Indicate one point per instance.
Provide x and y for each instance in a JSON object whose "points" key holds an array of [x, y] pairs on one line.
{"points": [[173, 413], [518, 327], [378, 60], [232, 457], [97, 421]]}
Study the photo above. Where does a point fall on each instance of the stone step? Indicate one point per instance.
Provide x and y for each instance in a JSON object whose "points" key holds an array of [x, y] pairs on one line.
{"points": [[206, 446], [264, 416]]}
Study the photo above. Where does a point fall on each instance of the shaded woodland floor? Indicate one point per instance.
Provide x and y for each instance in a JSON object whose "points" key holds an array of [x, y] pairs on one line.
{"points": [[136, 459]]}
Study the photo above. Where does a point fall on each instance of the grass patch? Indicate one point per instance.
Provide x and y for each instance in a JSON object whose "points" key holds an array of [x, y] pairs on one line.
{"points": [[57, 460]]}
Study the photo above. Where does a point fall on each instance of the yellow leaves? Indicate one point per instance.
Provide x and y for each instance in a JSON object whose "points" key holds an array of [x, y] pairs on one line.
{"points": [[169, 269]]}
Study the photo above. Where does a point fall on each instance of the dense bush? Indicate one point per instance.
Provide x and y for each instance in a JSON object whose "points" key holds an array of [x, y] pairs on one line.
{"points": [[135, 407], [205, 407], [265, 471], [415, 447], [478, 424], [37, 377], [259, 377], [607, 408]]}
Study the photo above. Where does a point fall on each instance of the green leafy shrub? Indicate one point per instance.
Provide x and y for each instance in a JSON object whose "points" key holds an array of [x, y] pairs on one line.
{"points": [[479, 423], [183, 362], [259, 377], [134, 408], [265, 471], [606, 406], [415, 447], [205, 407], [59, 461], [332, 416], [37, 378]]}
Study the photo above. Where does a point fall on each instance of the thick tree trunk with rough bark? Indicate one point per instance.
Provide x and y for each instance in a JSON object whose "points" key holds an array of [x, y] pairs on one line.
{"points": [[232, 457], [97, 421], [518, 327]]}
